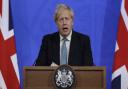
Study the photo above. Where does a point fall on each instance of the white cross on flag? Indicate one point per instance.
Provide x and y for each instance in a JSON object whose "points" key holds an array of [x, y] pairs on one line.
{"points": [[120, 68], [9, 74]]}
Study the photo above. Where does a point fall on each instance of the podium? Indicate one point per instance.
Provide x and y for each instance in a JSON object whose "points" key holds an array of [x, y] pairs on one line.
{"points": [[40, 77]]}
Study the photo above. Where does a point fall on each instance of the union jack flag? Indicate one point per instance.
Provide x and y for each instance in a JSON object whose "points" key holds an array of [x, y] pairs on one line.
{"points": [[120, 68], [9, 74]]}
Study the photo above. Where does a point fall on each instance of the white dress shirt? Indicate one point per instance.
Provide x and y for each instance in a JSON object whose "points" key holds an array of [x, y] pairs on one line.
{"points": [[67, 43]]}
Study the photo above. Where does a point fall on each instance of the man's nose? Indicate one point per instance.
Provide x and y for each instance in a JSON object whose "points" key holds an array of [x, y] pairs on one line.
{"points": [[64, 21]]}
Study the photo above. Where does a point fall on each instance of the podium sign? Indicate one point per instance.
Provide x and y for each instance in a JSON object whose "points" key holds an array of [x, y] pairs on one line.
{"points": [[41, 77]]}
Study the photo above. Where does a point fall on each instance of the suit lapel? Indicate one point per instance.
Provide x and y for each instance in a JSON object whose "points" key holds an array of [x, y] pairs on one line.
{"points": [[56, 48], [72, 48]]}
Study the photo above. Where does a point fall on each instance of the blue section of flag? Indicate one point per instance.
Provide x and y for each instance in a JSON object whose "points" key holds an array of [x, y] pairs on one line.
{"points": [[98, 19], [116, 83], [10, 18]]}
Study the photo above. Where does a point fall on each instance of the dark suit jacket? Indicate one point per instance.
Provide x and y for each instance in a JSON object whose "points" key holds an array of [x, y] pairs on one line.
{"points": [[79, 53]]}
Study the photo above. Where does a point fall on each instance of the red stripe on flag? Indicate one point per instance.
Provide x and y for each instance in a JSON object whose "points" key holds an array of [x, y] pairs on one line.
{"points": [[126, 6], [121, 56], [122, 36], [0, 7], [7, 49]]}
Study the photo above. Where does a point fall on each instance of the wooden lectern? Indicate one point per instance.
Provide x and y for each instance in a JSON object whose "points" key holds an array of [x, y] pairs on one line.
{"points": [[86, 77]]}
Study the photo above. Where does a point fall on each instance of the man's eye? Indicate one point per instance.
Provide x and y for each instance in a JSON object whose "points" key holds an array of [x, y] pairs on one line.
{"points": [[66, 18], [60, 19]]}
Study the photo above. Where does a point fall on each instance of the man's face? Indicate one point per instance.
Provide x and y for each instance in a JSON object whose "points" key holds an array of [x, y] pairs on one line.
{"points": [[64, 22]]}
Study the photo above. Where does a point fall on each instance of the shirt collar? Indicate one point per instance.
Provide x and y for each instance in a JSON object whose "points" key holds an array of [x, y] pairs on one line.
{"points": [[68, 37]]}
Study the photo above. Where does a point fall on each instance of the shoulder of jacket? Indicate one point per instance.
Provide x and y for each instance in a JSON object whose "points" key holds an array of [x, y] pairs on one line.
{"points": [[81, 35], [50, 35]]}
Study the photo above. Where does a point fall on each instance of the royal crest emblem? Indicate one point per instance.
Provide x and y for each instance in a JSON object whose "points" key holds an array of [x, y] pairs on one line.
{"points": [[64, 77]]}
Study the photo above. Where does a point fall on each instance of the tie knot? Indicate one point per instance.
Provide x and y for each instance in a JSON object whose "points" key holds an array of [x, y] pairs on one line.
{"points": [[65, 39]]}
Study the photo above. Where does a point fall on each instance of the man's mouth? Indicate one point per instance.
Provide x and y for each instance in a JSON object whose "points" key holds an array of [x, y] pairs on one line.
{"points": [[65, 28]]}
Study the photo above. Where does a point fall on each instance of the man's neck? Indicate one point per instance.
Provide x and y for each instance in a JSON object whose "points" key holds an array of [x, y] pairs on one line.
{"points": [[68, 37]]}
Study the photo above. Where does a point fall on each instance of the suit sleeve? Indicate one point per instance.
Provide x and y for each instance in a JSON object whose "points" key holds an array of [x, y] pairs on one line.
{"points": [[42, 59], [88, 53]]}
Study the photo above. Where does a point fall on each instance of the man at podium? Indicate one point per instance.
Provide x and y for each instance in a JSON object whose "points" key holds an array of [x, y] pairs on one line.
{"points": [[65, 46]]}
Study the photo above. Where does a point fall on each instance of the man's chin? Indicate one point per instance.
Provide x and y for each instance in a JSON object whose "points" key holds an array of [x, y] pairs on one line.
{"points": [[65, 34]]}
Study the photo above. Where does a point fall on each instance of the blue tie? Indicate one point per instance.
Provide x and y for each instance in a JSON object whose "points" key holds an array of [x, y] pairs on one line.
{"points": [[63, 59]]}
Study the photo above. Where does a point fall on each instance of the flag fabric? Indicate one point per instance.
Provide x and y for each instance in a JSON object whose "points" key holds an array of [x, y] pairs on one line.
{"points": [[9, 74], [120, 68]]}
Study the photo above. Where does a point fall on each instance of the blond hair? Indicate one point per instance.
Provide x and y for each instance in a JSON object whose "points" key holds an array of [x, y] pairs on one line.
{"points": [[62, 7]]}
